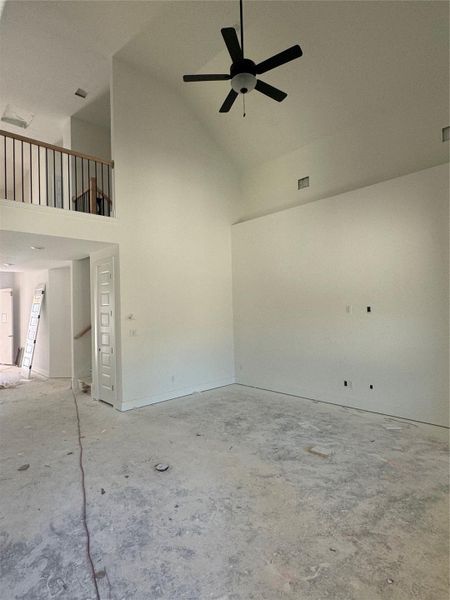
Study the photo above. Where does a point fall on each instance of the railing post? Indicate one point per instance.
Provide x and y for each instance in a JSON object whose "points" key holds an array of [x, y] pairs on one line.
{"points": [[93, 195]]}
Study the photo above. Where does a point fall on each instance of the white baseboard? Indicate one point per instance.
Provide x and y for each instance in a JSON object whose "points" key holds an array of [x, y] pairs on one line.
{"points": [[172, 394], [40, 372]]}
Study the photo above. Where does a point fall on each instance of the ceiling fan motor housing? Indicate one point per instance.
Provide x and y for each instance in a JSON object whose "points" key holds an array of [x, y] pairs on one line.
{"points": [[243, 76]]}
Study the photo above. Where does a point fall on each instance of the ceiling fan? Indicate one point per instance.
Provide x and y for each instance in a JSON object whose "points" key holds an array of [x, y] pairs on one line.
{"points": [[243, 71]]}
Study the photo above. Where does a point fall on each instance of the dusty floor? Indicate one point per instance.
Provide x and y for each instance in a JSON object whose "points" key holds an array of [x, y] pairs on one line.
{"points": [[244, 512]]}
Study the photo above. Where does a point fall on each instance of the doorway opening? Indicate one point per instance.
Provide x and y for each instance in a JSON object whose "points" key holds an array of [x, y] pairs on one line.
{"points": [[77, 322]]}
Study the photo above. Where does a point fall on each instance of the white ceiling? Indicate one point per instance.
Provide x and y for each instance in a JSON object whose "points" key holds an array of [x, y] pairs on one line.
{"points": [[365, 64], [49, 49], [15, 248], [362, 60]]}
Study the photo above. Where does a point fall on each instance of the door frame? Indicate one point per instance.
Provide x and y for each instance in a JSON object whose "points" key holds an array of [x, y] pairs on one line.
{"points": [[94, 263]]}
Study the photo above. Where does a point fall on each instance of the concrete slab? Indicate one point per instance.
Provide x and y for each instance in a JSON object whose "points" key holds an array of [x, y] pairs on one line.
{"points": [[243, 512]]}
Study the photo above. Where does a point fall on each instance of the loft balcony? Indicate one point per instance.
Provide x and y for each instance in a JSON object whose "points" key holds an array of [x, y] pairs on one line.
{"points": [[42, 174]]}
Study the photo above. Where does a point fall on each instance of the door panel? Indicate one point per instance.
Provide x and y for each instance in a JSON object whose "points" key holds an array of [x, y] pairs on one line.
{"points": [[6, 327], [106, 372]]}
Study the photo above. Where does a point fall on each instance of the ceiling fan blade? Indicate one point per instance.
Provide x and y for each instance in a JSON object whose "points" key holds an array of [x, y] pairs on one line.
{"points": [[214, 77], [228, 101], [270, 91], [231, 40], [279, 59]]}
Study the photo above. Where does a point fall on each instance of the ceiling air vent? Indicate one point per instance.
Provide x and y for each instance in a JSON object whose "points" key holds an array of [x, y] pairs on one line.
{"points": [[446, 134], [303, 183], [17, 116]]}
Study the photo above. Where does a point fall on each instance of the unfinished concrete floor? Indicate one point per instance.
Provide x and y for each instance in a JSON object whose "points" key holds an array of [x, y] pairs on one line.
{"points": [[244, 512]]}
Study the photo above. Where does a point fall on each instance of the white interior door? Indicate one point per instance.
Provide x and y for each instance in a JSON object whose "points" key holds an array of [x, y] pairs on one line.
{"points": [[6, 327], [104, 335]]}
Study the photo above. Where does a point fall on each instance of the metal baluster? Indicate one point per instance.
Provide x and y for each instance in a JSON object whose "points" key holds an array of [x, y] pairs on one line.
{"points": [[21, 161], [76, 184], [31, 175], [62, 180], [68, 181], [39, 172], [14, 167], [6, 169], [54, 180], [109, 190], [46, 177]]}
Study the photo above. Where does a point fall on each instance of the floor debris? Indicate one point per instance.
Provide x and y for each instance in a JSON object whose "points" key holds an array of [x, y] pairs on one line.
{"points": [[100, 574], [24, 467], [322, 452], [102, 491], [316, 571], [161, 467]]}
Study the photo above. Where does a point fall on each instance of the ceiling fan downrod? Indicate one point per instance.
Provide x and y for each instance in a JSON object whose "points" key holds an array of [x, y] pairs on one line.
{"points": [[243, 71]]}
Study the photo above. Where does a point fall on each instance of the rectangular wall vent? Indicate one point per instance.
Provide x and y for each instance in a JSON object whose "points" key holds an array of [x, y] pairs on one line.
{"points": [[446, 134], [303, 183]]}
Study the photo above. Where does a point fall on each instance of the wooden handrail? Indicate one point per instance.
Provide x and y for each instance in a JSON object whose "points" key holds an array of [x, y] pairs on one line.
{"points": [[83, 332], [90, 190], [22, 138]]}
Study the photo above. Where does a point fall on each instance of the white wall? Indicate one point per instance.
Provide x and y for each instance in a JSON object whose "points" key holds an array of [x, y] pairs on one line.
{"points": [[341, 162], [10, 280], [60, 325], [42, 220], [295, 271], [81, 318], [174, 191], [88, 138]]}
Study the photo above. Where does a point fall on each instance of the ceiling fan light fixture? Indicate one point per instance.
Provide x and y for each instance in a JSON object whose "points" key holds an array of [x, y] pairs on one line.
{"points": [[242, 83], [243, 71]]}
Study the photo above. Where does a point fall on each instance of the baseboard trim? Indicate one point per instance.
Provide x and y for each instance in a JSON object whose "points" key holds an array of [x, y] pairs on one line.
{"points": [[40, 372], [349, 406], [174, 394]]}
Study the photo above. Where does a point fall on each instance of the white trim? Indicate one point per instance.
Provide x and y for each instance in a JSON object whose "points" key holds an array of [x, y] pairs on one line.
{"points": [[99, 259], [173, 394], [41, 372], [62, 211]]}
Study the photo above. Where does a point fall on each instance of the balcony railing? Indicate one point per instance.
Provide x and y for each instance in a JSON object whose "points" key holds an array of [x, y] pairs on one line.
{"points": [[34, 172]]}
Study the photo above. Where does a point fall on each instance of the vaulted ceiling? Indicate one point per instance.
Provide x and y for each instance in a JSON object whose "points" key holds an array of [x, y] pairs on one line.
{"points": [[369, 65]]}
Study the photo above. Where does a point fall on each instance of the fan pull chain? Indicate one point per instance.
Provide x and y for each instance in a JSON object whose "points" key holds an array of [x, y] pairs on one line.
{"points": [[243, 106]]}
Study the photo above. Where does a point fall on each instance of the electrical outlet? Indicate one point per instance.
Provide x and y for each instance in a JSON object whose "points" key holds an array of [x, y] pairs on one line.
{"points": [[133, 332], [348, 384], [349, 309]]}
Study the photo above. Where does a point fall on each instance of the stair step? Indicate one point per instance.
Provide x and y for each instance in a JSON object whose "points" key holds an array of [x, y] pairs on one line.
{"points": [[85, 384]]}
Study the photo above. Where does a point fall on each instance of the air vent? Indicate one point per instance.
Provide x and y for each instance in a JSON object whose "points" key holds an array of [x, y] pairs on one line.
{"points": [[303, 183], [446, 134], [81, 93], [17, 116]]}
